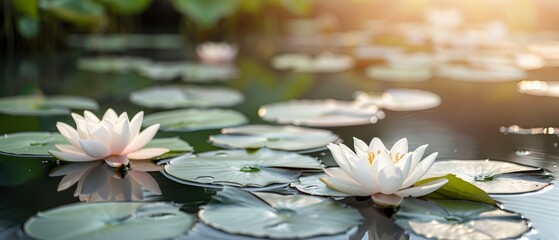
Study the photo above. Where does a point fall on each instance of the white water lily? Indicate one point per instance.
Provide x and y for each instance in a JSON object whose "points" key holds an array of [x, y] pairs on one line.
{"points": [[211, 52], [387, 176], [114, 139]]}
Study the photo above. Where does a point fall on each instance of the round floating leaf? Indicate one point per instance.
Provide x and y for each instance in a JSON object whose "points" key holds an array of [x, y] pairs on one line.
{"points": [[30, 144], [106, 64], [38, 105], [175, 145], [325, 62], [499, 73], [539, 88], [277, 216], [77, 12], [401, 99], [241, 168], [320, 113], [388, 73], [275, 137], [110, 220], [177, 96], [27, 7], [201, 73], [493, 177], [452, 219], [312, 185], [28, 27], [195, 119]]}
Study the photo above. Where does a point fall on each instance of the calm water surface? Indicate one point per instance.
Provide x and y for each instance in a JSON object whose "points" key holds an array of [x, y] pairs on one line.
{"points": [[465, 126]]}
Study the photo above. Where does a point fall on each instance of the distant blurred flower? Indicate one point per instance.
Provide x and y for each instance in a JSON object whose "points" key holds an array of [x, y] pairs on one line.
{"points": [[387, 176], [211, 52], [114, 139]]}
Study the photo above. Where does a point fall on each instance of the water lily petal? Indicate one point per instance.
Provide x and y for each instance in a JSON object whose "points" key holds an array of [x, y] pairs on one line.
{"points": [[386, 200], [382, 160], [90, 117], [337, 173], [422, 190], [116, 160], [110, 115], [147, 153], [417, 155], [136, 124], [405, 164], [360, 146], [344, 186], [390, 180], [401, 147], [71, 157], [420, 170], [69, 133], [99, 133], [81, 125], [120, 137], [94, 148], [362, 169], [142, 139], [376, 145], [340, 159], [69, 148]]}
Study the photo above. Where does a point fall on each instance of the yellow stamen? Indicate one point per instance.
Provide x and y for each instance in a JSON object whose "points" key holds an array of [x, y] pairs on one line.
{"points": [[371, 157]]}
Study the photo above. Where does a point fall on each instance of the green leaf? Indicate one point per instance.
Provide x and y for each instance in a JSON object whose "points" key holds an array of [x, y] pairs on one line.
{"points": [[28, 27], [77, 12], [175, 145], [457, 189], [206, 13], [27, 7], [126, 6]]}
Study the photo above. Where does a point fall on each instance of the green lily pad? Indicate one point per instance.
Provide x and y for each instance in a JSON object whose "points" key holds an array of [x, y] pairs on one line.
{"points": [[126, 6], [203, 73], [176, 96], [77, 12], [277, 216], [110, 220], [287, 138], [108, 64], [37, 144], [241, 168], [452, 219], [393, 74], [494, 177], [30, 144], [195, 119], [42, 106], [312, 185]]}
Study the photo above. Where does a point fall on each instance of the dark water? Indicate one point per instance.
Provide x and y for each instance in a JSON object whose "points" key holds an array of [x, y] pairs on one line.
{"points": [[465, 126]]}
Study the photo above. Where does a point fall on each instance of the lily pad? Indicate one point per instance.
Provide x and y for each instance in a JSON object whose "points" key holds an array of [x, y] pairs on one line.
{"points": [[493, 177], [320, 113], [43, 106], [110, 220], [401, 99], [314, 186], [393, 74], [500, 73], [203, 73], [451, 219], [324, 62], [37, 144], [287, 138], [195, 119], [241, 168], [164, 71], [176, 96], [107, 64], [30, 144], [277, 216]]}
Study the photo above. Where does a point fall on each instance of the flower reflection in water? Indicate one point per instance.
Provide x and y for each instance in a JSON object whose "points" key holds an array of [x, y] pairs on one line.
{"points": [[97, 181], [378, 225]]}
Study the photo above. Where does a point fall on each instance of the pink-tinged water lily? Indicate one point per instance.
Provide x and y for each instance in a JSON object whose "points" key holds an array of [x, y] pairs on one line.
{"points": [[387, 176], [211, 52], [114, 139]]}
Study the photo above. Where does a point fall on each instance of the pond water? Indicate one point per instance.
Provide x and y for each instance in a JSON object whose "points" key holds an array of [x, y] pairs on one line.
{"points": [[466, 125]]}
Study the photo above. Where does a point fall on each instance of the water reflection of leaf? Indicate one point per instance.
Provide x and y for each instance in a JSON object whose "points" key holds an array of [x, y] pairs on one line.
{"points": [[205, 13], [98, 182]]}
